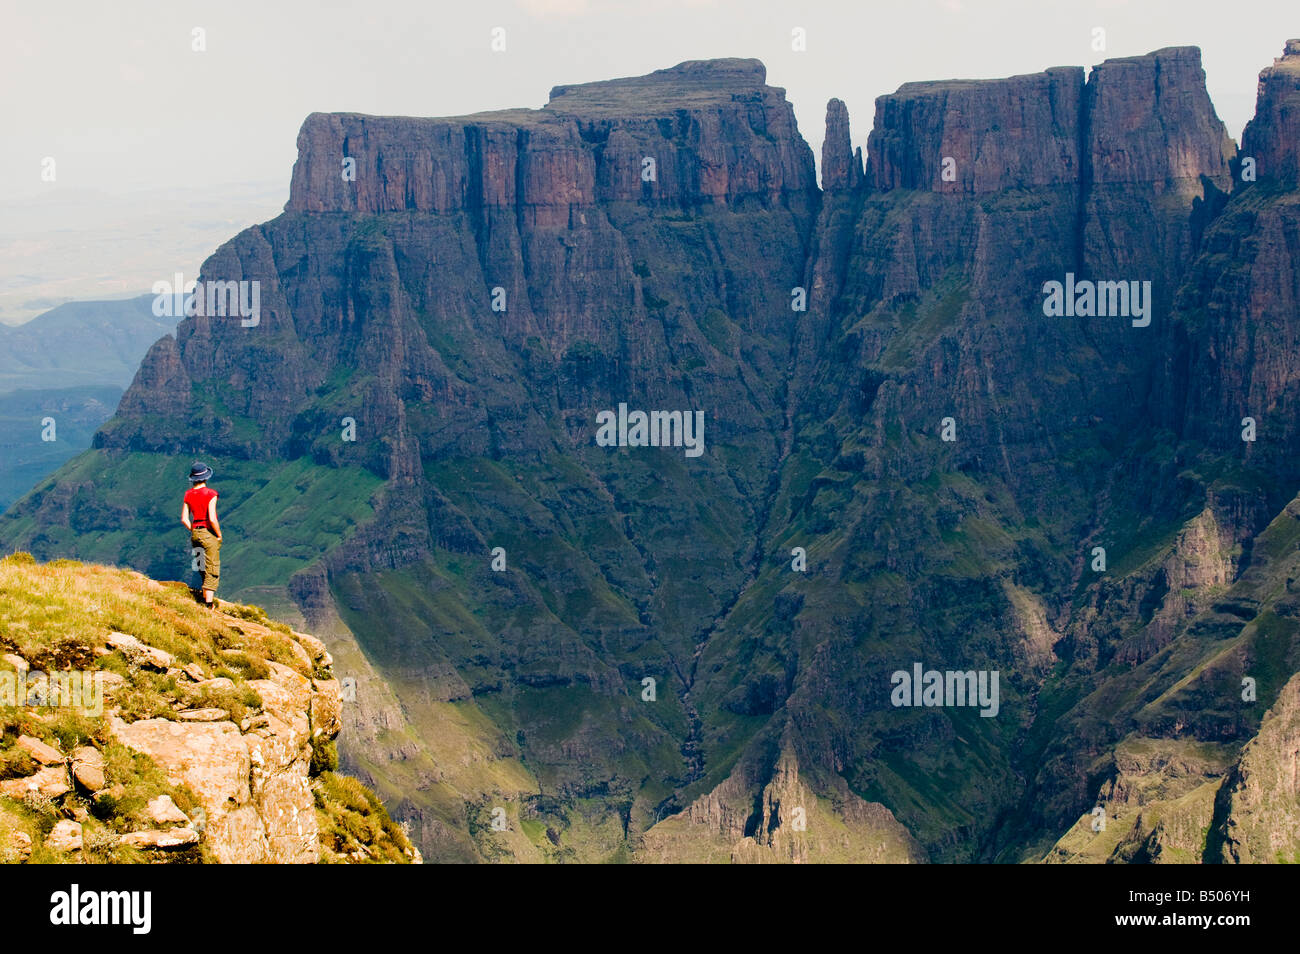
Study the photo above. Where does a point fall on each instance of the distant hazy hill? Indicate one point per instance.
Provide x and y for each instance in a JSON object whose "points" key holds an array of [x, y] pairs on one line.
{"points": [[64, 243], [80, 343], [24, 457], [70, 364]]}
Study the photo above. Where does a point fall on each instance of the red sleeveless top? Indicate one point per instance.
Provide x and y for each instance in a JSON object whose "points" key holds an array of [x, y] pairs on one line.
{"points": [[197, 500]]}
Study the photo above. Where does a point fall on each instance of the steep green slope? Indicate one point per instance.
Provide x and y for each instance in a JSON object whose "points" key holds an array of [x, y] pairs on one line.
{"points": [[41, 429]]}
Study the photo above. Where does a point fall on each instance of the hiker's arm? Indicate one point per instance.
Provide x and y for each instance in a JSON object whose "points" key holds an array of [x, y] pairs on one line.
{"points": [[185, 516], [212, 518]]}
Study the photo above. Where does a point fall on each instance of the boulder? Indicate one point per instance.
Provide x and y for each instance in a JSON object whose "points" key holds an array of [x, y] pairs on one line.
{"points": [[164, 811], [66, 836], [40, 751], [115, 792], [315, 648], [108, 680], [88, 768], [220, 684], [161, 840], [140, 653], [18, 850], [51, 782]]}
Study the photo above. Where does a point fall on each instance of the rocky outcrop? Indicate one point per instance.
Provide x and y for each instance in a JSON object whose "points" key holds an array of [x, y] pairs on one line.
{"points": [[253, 780], [1016, 133], [255, 775], [1172, 801], [1149, 120], [1261, 800], [788, 823], [1270, 138], [841, 165], [1197, 570], [1237, 321], [716, 132], [1139, 120]]}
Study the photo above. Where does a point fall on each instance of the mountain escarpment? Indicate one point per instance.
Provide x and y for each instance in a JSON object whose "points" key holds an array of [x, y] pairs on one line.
{"points": [[565, 650]]}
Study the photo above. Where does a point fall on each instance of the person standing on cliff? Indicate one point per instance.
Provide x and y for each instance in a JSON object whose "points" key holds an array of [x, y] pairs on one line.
{"points": [[199, 514]]}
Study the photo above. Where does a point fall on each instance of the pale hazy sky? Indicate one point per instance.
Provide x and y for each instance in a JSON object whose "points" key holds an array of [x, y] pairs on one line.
{"points": [[115, 94]]}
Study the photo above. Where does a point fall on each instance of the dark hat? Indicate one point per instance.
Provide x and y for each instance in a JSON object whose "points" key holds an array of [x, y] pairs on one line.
{"points": [[200, 472]]}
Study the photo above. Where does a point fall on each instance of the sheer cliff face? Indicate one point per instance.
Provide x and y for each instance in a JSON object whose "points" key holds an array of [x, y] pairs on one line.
{"points": [[1242, 310], [471, 292], [599, 248], [979, 193], [717, 133], [1271, 137]]}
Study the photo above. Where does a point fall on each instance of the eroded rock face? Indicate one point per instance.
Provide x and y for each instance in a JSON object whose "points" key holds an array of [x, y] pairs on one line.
{"points": [[257, 802], [1271, 136], [1262, 797], [1150, 120], [213, 760], [720, 135], [1230, 354], [841, 166], [791, 822], [1021, 132]]}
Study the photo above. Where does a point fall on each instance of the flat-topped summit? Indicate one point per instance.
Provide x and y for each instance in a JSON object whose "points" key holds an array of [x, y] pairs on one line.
{"points": [[716, 133], [918, 88], [1137, 119], [690, 84]]}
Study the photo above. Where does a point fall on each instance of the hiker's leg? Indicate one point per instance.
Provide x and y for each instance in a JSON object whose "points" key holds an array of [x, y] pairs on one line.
{"points": [[196, 543], [211, 565], [215, 564]]}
